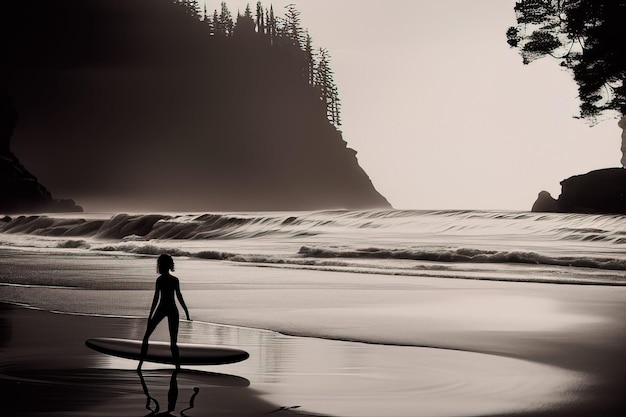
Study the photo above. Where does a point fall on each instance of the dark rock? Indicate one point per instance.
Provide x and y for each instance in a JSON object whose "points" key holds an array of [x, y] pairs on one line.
{"points": [[545, 203], [19, 189], [134, 105], [601, 192]]}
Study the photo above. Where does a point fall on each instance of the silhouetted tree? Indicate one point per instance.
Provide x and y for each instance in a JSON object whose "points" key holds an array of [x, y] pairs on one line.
{"points": [[328, 90], [335, 109], [216, 25], [271, 21], [226, 23], [293, 25], [205, 16], [260, 18], [206, 20], [245, 23], [191, 7], [586, 36], [280, 31], [310, 60]]}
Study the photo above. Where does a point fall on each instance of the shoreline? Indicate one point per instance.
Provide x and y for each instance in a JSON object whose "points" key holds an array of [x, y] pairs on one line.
{"points": [[51, 372], [62, 377], [515, 349]]}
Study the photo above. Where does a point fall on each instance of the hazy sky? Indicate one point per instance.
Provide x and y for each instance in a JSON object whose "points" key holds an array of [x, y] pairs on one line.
{"points": [[442, 112]]}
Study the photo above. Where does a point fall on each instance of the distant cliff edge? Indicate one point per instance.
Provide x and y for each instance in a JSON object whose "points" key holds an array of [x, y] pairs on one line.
{"points": [[140, 104], [20, 192], [599, 192]]}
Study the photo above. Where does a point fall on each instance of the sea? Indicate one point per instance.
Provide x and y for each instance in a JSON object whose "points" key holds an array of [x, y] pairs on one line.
{"points": [[361, 313], [459, 244]]}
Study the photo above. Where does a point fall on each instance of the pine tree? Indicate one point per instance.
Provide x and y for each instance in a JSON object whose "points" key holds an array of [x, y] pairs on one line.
{"points": [[191, 7], [586, 36], [248, 12], [272, 25], [293, 25], [226, 20], [328, 90], [260, 18], [336, 106], [310, 60], [206, 20], [245, 23], [216, 25]]}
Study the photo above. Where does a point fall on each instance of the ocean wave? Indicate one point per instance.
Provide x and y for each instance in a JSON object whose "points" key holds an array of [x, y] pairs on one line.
{"points": [[157, 250], [158, 226], [73, 244], [466, 255], [341, 224], [325, 260]]}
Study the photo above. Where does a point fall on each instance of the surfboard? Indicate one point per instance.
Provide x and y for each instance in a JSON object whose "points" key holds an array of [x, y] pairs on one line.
{"points": [[160, 352]]}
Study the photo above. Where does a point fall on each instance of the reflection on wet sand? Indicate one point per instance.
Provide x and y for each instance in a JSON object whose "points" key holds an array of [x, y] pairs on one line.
{"points": [[45, 370], [290, 375], [152, 404]]}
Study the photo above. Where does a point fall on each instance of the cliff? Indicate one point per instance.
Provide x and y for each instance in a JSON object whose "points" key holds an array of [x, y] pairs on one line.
{"points": [[133, 104], [602, 191], [20, 192]]}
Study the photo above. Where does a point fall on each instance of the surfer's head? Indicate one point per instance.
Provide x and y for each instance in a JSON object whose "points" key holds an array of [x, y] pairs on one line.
{"points": [[165, 263]]}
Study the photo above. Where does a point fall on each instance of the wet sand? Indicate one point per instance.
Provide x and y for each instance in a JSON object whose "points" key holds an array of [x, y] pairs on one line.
{"points": [[540, 350], [46, 370]]}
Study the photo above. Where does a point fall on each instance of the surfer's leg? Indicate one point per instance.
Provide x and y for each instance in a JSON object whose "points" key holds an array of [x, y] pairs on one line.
{"points": [[152, 324], [172, 320]]}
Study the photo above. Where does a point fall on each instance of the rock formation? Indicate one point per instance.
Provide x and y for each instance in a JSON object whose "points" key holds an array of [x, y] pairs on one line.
{"points": [[601, 191], [135, 105], [545, 203], [20, 192]]}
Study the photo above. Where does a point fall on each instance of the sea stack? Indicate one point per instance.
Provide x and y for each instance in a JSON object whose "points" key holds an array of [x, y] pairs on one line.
{"points": [[601, 191]]}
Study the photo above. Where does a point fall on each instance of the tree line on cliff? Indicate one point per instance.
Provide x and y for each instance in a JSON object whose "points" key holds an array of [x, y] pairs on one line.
{"points": [[283, 32], [109, 93]]}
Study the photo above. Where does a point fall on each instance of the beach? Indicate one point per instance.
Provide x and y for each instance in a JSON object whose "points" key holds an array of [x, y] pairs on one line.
{"points": [[321, 343]]}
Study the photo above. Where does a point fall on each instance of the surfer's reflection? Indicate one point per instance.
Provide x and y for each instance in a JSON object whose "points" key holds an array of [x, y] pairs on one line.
{"points": [[172, 396]]}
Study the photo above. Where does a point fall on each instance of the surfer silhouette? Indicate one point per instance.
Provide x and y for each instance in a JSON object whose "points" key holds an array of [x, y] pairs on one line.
{"points": [[164, 305]]}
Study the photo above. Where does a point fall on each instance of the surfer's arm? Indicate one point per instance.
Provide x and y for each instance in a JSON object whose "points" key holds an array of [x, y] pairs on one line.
{"points": [[179, 295]]}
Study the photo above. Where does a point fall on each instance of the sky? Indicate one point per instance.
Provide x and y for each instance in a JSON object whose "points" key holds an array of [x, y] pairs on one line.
{"points": [[442, 112]]}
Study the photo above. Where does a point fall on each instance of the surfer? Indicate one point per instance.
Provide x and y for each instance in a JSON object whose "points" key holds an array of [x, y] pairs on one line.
{"points": [[164, 305]]}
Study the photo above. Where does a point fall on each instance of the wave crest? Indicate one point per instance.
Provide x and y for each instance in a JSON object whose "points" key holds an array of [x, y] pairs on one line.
{"points": [[467, 255]]}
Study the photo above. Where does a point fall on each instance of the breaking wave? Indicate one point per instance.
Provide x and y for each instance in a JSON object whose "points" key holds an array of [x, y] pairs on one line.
{"points": [[382, 240], [158, 226], [466, 255], [573, 227]]}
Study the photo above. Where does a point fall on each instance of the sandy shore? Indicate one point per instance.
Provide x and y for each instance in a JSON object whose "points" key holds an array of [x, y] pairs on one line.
{"points": [[46, 370], [521, 350]]}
